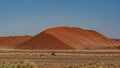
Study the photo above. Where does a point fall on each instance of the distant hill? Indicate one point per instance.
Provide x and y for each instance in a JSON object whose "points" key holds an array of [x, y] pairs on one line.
{"points": [[68, 38], [11, 42]]}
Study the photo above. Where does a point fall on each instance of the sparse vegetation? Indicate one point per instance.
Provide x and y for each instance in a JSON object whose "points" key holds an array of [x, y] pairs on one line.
{"points": [[79, 65], [17, 64], [59, 59]]}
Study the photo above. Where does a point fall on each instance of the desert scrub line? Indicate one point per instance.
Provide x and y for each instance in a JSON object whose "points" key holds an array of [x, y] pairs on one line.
{"points": [[17, 64]]}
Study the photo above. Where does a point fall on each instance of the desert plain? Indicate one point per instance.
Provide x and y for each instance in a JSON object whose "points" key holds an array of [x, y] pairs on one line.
{"points": [[60, 47], [63, 58]]}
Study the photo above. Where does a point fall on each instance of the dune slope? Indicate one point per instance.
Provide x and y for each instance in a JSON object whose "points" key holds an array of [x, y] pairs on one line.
{"points": [[11, 42]]}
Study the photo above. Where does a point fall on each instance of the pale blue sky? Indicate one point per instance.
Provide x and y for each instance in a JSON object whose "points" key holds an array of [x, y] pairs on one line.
{"points": [[30, 17]]}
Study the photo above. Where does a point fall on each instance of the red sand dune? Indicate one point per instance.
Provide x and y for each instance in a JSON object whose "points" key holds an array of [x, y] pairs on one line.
{"points": [[68, 38], [11, 42]]}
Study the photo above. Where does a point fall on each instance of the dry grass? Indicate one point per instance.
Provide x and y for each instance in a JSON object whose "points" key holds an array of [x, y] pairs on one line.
{"points": [[61, 59], [24, 64]]}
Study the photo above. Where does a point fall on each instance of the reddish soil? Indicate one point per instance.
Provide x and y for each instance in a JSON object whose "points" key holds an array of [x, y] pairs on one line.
{"points": [[11, 42], [68, 38], [117, 41]]}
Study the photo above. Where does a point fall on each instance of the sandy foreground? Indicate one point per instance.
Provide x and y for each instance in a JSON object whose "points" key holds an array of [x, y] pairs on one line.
{"points": [[65, 58]]}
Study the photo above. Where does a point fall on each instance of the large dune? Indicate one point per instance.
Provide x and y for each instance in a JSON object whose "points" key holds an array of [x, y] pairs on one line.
{"points": [[11, 42], [68, 38]]}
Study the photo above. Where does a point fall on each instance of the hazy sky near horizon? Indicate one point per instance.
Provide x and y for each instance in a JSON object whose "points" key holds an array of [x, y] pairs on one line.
{"points": [[29, 17]]}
